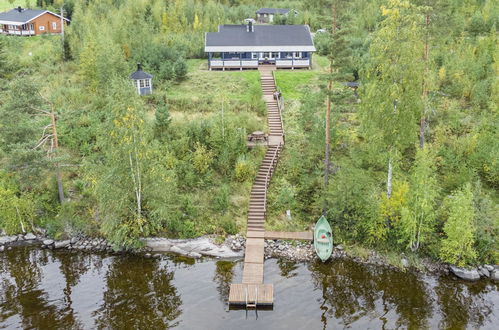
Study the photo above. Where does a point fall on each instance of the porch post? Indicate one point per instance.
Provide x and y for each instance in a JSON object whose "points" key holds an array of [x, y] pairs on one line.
{"points": [[240, 61], [292, 60], [209, 60]]}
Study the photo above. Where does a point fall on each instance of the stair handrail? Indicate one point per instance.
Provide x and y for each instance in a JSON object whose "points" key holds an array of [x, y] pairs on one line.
{"points": [[267, 177], [280, 104]]}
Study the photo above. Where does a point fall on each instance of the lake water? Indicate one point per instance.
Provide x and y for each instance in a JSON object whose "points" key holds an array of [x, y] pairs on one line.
{"points": [[44, 289]]}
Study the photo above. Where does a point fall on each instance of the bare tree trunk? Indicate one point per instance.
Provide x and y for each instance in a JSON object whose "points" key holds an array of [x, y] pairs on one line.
{"points": [[327, 163], [422, 124], [60, 186]]}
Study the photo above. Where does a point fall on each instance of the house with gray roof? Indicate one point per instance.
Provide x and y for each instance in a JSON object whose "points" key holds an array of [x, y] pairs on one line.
{"points": [[30, 22], [266, 15], [247, 46]]}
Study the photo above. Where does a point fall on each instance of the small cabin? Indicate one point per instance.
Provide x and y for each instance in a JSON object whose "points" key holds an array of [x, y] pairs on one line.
{"points": [[31, 22], [142, 81], [266, 15], [248, 46]]}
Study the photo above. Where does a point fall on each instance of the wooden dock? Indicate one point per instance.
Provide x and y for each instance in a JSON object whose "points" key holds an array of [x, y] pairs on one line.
{"points": [[252, 292], [299, 235]]}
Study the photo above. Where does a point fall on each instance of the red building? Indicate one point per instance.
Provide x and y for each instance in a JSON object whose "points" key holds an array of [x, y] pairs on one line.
{"points": [[30, 22]]}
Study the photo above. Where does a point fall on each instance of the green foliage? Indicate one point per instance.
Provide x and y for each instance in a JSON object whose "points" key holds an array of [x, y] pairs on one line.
{"points": [[190, 135], [17, 211], [243, 171], [419, 214], [457, 247], [163, 120]]}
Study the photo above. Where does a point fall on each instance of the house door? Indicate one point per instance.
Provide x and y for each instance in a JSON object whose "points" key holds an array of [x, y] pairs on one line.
{"points": [[269, 56]]}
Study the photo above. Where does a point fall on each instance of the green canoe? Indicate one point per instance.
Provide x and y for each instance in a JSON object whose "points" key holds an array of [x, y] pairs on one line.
{"points": [[323, 239]]}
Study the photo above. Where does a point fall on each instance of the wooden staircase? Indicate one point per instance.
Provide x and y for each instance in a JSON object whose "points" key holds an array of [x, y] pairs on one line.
{"points": [[274, 118], [258, 198], [252, 293]]}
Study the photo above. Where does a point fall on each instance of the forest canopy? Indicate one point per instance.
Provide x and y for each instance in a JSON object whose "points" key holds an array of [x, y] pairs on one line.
{"points": [[414, 149]]}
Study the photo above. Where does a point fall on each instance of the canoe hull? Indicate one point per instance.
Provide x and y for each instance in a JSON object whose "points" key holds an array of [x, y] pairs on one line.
{"points": [[323, 239]]}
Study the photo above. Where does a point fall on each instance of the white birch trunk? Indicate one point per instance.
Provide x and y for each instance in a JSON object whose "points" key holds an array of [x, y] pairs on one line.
{"points": [[389, 180]]}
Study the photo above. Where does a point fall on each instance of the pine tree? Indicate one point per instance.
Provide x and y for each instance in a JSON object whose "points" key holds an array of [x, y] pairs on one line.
{"points": [[339, 65]]}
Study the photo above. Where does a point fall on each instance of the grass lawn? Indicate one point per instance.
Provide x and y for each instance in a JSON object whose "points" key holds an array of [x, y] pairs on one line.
{"points": [[291, 82]]}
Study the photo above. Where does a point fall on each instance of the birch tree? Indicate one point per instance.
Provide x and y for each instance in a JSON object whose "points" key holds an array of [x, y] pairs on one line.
{"points": [[392, 94], [418, 216], [457, 247], [120, 185]]}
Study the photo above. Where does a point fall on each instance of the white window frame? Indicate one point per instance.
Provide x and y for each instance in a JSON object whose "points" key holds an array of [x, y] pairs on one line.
{"points": [[142, 83], [41, 28], [54, 25], [147, 83], [255, 56]]}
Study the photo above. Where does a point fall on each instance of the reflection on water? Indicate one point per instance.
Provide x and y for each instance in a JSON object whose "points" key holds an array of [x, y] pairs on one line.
{"points": [[69, 290]]}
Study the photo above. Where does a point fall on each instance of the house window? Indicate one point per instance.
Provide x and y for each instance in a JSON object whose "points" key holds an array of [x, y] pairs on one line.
{"points": [[297, 54], [266, 55], [41, 28], [275, 55], [142, 83], [254, 56], [54, 25], [147, 83]]}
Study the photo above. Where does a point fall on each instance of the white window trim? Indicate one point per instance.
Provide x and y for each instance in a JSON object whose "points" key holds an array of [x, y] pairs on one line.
{"points": [[54, 25]]}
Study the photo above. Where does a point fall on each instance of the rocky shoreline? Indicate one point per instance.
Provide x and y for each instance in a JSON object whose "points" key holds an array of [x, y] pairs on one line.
{"points": [[233, 248]]}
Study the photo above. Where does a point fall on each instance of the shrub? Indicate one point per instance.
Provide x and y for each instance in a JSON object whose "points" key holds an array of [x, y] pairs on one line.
{"points": [[243, 170]]}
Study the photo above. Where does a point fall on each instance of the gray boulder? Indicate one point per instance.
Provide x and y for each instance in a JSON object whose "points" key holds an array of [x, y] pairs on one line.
{"points": [[2, 248], [465, 274], [29, 236], [484, 272], [7, 239], [48, 242], [176, 249], [489, 267], [495, 275], [404, 262], [194, 255], [62, 244]]}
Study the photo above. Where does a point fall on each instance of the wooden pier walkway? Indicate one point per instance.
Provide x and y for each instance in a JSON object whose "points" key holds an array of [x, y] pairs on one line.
{"points": [[252, 292]]}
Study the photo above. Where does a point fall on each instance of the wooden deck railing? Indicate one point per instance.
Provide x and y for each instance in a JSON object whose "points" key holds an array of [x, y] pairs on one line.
{"points": [[268, 176]]}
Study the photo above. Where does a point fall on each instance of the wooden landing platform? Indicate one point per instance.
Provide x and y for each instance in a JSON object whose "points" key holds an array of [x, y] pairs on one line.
{"points": [[299, 235], [261, 294]]}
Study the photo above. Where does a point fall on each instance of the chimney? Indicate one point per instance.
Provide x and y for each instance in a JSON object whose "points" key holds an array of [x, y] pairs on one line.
{"points": [[139, 67], [19, 9], [249, 27]]}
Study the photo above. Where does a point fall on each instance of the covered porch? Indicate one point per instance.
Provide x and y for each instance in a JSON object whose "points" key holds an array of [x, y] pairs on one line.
{"points": [[251, 60], [18, 29]]}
